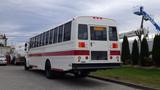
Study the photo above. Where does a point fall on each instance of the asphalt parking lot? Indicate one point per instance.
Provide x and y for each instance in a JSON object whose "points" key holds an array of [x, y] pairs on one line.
{"points": [[16, 78]]}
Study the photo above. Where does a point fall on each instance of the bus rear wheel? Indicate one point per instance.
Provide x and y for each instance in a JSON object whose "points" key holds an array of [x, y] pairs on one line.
{"points": [[81, 74], [48, 71]]}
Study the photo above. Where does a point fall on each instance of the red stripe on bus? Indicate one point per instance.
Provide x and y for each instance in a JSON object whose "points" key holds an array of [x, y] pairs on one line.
{"points": [[62, 53]]}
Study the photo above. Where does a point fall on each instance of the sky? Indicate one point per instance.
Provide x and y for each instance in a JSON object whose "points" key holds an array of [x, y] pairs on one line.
{"points": [[22, 19]]}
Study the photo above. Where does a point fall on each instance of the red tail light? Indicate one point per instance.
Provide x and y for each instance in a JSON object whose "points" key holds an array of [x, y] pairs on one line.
{"points": [[81, 44], [115, 53], [114, 45]]}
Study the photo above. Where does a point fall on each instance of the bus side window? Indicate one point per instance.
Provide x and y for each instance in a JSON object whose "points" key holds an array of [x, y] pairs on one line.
{"points": [[60, 33], [41, 40], [82, 32], [55, 35], [51, 36], [113, 34], [44, 38], [30, 43], [67, 31], [47, 35], [35, 41]]}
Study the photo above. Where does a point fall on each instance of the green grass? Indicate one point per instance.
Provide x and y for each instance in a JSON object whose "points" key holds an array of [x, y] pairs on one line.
{"points": [[147, 77]]}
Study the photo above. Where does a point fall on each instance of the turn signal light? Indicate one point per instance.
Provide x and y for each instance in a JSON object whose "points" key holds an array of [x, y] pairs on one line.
{"points": [[81, 44], [114, 45]]}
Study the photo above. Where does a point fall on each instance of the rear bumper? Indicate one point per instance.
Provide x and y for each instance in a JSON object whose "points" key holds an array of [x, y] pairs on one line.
{"points": [[95, 66], [3, 62]]}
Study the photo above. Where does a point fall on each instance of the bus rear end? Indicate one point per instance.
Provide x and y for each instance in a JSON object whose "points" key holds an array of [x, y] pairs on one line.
{"points": [[97, 44]]}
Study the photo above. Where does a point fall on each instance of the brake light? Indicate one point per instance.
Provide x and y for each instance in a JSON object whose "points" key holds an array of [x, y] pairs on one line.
{"points": [[114, 52], [114, 45], [81, 44]]}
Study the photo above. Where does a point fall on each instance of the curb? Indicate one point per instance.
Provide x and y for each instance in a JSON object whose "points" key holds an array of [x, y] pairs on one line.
{"points": [[123, 83]]}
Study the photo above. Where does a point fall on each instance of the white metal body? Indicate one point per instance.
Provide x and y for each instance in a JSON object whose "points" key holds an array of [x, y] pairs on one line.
{"points": [[63, 55], [3, 59]]}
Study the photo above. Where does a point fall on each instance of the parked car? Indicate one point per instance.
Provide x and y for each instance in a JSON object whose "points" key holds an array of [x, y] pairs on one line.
{"points": [[18, 55], [18, 59], [3, 60]]}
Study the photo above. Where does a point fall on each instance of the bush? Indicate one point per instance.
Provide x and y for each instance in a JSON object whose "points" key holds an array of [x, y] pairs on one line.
{"points": [[135, 53], [156, 51], [125, 55], [144, 53]]}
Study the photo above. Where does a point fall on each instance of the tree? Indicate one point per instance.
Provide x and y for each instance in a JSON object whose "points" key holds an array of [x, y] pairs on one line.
{"points": [[156, 51], [125, 55], [135, 53], [144, 53]]}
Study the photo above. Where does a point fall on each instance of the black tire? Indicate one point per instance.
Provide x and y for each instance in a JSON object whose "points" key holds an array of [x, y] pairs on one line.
{"points": [[25, 66], [48, 71], [81, 74]]}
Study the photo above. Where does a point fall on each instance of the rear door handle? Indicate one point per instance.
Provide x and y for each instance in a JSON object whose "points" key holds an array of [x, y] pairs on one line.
{"points": [[91, 44]]}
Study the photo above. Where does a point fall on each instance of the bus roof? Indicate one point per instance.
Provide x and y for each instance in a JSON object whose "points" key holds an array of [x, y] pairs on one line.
{"points": [[94, 17], [94, 20]]}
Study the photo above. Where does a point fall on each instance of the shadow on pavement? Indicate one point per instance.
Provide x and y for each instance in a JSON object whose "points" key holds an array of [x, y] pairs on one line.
{"points": [[69, 79]]}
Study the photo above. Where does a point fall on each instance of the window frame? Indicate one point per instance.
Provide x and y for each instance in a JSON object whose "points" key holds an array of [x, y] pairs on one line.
{"points": [[91, 37], [82, 38], [47, 37], [60, 33], [67, 34], [111, 39], [55, 35], [50, 36]]}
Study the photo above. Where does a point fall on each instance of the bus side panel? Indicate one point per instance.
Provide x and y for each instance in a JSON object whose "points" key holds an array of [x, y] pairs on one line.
{"points": [[34, 60], [63, 62]]}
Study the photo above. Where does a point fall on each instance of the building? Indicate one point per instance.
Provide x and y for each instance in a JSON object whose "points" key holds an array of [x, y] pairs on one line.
{"points": [[3, 40], [4, 49]]}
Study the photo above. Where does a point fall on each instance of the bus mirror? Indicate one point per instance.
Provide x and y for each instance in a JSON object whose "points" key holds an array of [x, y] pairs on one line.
{"points": [[25, 48], [25, 44]]}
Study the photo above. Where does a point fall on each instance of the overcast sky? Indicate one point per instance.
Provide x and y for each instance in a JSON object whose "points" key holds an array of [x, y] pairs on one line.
{"points": [[30, 17]]}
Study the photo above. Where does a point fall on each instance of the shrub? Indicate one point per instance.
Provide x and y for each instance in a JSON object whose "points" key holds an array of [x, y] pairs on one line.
{"points": [[156, 51], [135, 53], [144, 53], [125, 55]]}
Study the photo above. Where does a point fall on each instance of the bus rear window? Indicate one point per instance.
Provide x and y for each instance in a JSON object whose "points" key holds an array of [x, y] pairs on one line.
{"points": [[113, 34], [82, 32], [98, 33]]}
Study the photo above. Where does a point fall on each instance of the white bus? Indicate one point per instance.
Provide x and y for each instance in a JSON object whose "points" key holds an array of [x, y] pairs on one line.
{"points": [[79, 46]]}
